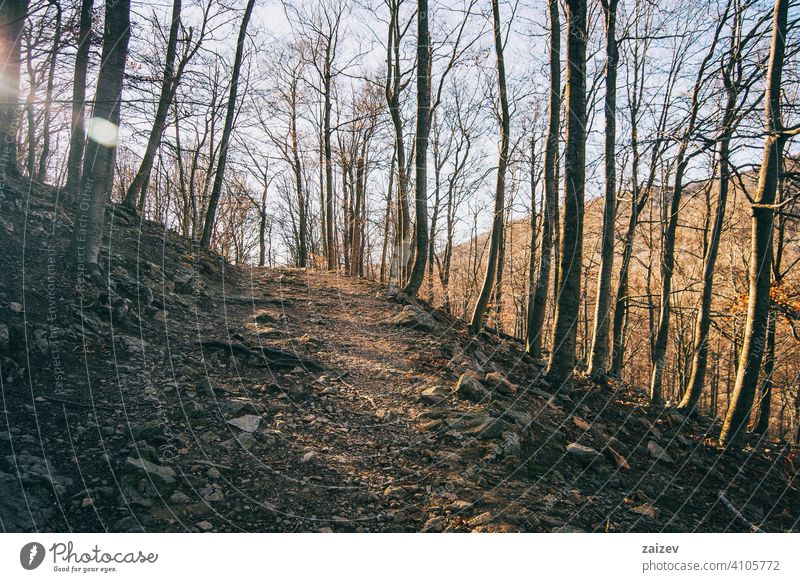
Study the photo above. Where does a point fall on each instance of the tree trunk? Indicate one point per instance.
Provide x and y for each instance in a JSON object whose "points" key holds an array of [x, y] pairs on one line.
{"points": [[77, 138], [98, 172], [208, 227], [421, 154], [599, 351], [765, 403], [12, 22], [499, 198], [691, 398], [537, 307], [138, 188], [741, 400], [48, 99], [562, 355]]}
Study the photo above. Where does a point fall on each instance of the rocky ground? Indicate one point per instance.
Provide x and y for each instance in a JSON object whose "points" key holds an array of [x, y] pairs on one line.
{"points": [[181, 393]]}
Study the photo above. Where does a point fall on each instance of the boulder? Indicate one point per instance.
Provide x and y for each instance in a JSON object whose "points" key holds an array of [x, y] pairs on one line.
{"points": [[658, 453], [434, 394], [162, 477], [413, 317], [583, 454], [469, 387]]}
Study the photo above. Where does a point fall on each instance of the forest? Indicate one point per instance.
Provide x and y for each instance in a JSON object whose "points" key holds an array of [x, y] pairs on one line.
{"points": [[609, 186]]}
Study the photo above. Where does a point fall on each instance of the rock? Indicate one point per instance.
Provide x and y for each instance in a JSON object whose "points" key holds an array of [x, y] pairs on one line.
{"points": [[204, 525], [646, 510], [434, 394], [434, 524], [247, 423], [499, 383], [481, 519], [413, 317], [163, 478], [568, 529], [15, 307], [394, 492], [658, 453], [179, 498], [215, 496], [487, 427], [469, 387], [583, 454], [308, 456]]}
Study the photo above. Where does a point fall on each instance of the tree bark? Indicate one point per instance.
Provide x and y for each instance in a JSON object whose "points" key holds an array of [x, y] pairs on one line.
{"points": [[499, 199], [12, 21], [562, 354], [421, 153], [598, 359], [537, 307], [98, 171], [763, 212], [77, 138], [208, 227], [138, 187]]}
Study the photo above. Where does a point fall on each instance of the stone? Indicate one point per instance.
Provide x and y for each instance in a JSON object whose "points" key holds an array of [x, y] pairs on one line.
{"points": [[179, 497], [583, 454], [499, 383], [413, 317], [247, 423], [481, 519], [308, 456], [486, 428], [646, 510], [162, 477], [394, 492], [204, 525], [469, 387], [658, 453], [434, 394]]}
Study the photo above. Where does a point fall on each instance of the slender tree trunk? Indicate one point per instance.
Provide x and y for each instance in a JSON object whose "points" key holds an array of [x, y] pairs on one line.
{"points": [[12, 22], [77, 139], [208, 227], [763, 212], [537, 308], [421, 154], [48, 99], [659, 351], [598, 359], [499, 199], [765, 396], [138, 187], [562, 355], [691, 397], [98, 172]]}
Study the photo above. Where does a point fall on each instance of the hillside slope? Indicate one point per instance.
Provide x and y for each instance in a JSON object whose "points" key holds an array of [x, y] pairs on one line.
{"points": [[184, 394]]}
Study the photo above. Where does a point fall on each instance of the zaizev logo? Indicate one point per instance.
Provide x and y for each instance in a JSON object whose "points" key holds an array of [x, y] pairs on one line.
{"points": [[31, 555]]}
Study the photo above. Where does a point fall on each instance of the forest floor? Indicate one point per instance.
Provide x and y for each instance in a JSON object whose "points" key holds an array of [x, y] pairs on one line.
{"points": [[181, 393]]}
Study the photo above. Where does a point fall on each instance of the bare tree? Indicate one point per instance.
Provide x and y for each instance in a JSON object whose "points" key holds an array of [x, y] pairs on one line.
{"points": [[741, 400], [487, 288], [208, 226], [98, 170], [562, 354]]}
